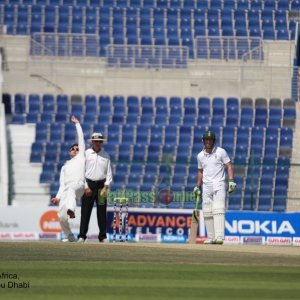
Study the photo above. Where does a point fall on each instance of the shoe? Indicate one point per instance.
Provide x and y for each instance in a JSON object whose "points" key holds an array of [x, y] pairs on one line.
{"points": [[102, 240], [81, 240], [209, 242], [219, 242], [71, 238], [71, 214]]}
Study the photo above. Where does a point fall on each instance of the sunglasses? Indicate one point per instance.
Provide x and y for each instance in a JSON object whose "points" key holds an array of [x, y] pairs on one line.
{"points": [[74, 149]]}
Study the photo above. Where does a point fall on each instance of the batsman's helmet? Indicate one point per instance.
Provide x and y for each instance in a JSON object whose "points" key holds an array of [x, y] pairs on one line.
{"points": [[209, 135]]}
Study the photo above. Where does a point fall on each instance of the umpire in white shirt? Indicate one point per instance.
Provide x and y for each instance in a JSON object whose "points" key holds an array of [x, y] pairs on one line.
{"points": [[98, 176]]}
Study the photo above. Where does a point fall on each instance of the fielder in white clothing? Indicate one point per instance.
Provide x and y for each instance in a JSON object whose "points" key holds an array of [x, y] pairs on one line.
{"points": [[72, 180], [212, 162]]}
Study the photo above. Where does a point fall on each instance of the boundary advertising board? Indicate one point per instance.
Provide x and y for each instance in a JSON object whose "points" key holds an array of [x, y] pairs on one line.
{"points": [[169, 225]]}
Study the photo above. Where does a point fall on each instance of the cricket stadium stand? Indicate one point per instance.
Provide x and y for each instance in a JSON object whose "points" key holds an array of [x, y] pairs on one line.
{"points": [[156, 134]]}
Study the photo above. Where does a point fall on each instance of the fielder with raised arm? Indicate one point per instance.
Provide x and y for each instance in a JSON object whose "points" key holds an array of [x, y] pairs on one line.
{"points": [[72, 180], [212, 162]]}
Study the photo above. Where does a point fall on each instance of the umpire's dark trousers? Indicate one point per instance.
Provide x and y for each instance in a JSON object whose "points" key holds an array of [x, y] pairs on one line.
{"points": [[86, 210]]}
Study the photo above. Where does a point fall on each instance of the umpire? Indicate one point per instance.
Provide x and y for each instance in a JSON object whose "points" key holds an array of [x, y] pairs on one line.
{"points": [[98, 177]]}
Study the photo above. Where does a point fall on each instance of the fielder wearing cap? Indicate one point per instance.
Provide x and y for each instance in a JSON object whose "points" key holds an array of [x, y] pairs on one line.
{"points": [[71, 183], [98, 177], [212, 161]]}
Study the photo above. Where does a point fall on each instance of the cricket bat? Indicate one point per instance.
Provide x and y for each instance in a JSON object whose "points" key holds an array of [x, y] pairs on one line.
{"points": [[194, 224]]}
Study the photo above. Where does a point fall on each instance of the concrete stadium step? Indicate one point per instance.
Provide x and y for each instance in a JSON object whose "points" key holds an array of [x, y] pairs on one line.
{"points": [[31, 189], [31, 200], [27, 188]]}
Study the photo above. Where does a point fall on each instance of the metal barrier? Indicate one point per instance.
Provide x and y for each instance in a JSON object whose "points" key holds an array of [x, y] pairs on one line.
{"points": [[63, 44], [295, 83], [146, 56], [135, 56], [229, 48]]}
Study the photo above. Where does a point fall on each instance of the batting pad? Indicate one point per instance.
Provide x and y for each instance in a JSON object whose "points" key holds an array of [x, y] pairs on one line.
{"points": [[219, 225], [209, 219], [209, 224]]}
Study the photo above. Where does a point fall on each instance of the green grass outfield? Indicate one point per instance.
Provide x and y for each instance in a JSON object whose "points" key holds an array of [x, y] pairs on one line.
{"points": [[57, 270]]}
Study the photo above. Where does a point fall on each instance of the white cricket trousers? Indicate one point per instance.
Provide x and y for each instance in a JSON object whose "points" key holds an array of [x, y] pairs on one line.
{"points": [[68, 201], [213, 197]]}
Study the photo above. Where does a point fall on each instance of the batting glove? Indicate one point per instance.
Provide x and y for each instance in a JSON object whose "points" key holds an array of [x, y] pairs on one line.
{"points": [[231, 186], [197, 191]]}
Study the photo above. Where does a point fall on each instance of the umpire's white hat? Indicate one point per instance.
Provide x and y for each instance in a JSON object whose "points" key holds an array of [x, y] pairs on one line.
{"points": [[97, 136]]}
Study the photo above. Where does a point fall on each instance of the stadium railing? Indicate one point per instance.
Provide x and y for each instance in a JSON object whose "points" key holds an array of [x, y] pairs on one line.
{"points": [[229, 48]]}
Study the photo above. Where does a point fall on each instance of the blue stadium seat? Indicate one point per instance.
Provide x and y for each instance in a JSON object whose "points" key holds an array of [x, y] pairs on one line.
{"points": [[295, 5], [275, 117], [280, 202], [161, 102], [132, 102], [269, 5], [218, 107], [142, 134], [246, 117], [90, 104], [204, 106], [289, 117], [267, 171], [34, 103], [48, 103], [171, 134], [261, 117], [127, 135], [264, 200], [234, 201], [32, 117], [154, 153], [283, 34], [286, 141], [256, 5], [175, 101], [139, 152], [19, 104], [124, 153], [269, 34]]}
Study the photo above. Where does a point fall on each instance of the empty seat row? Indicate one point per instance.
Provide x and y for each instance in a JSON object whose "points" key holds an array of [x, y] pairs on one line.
{"points": [[188, 111], [192, 4], [241, 142], [133, 26], [21, 103]]}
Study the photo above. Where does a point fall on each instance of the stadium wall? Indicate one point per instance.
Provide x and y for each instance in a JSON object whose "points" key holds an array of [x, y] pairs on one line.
{"points": [[81, 75], [3, 151], [155, 225]]}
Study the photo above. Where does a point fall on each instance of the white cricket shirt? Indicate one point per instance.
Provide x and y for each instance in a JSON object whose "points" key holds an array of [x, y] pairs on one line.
{"points": [[73, 170], [98, 166], [213, 164]]}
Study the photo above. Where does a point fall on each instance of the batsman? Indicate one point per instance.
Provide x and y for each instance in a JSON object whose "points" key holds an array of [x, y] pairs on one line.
{"points": [[211, 183]]}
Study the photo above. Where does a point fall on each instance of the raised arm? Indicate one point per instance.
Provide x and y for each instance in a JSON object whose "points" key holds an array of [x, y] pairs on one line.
{"points": [[80, 137]]}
